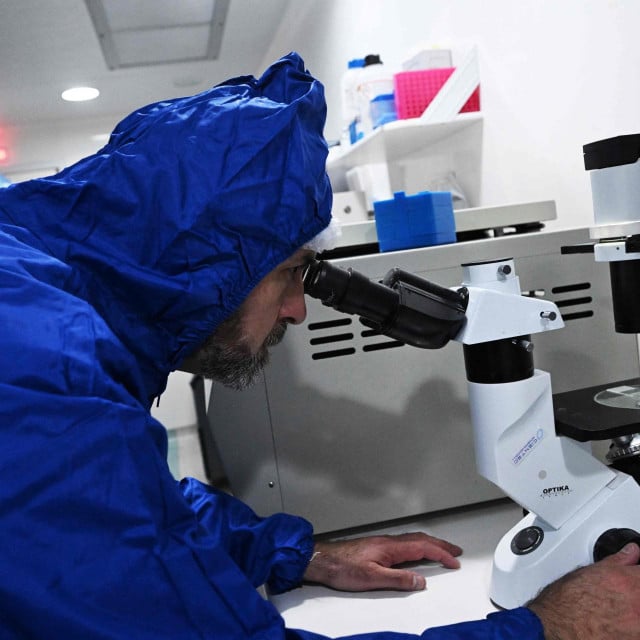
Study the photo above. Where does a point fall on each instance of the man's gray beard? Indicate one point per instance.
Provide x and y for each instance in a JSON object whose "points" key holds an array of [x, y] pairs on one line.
{"points": [[226, 357]]}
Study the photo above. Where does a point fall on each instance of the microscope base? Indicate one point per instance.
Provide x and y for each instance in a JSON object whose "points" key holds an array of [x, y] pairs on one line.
{"points": [[533, 554]]}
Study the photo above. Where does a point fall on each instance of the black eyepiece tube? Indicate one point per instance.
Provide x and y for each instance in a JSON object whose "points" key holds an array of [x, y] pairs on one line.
{"points": [[404, 306], [348, 291]]}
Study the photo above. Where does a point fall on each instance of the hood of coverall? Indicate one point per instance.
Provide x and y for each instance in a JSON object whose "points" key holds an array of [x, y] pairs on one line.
{"points": [[190, 204]]}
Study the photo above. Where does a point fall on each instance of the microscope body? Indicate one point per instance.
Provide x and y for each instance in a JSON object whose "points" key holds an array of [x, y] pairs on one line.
{"points": [[579, 508], [572, 498]]}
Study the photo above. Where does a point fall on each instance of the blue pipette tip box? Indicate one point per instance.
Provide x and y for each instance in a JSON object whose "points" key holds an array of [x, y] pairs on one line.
{"points": [[420, 220]]}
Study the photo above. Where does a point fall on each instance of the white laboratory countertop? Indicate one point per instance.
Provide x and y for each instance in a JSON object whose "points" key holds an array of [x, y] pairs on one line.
{"points": [[451, 595]]}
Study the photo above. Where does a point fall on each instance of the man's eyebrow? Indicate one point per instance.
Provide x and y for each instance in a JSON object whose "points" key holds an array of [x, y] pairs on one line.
{"points": [[300, 261]]}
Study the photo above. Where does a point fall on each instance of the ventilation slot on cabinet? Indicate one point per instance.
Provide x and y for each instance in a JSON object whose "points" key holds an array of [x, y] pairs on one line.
{"points": [[338, 337], [329, 339], [325, 344], [378, 346], [329, 324], [336, 353], [569, 305], [569, 288]]}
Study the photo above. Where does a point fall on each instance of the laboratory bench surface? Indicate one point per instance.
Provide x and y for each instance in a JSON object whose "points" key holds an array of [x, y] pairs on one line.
{"points": [[451, 595]]}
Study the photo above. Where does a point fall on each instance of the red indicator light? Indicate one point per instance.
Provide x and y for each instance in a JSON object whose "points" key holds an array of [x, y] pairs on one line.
{"points": [[4, 154]]}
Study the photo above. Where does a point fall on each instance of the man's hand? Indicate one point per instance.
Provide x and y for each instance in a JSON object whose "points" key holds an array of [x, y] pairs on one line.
{"points": [[363, 564], [596, 602]]}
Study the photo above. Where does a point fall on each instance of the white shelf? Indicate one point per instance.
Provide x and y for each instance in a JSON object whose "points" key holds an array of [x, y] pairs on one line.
{"points": [[473, 219], [398, 139]]}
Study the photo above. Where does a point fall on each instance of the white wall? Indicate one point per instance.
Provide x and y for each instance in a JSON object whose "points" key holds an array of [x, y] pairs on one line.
{"points": [[555, 74], [40, 149]]}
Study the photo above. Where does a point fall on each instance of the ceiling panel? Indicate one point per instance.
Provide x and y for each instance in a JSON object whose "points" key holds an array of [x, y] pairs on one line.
{"points": [[137, 14], [46, 47], [148, 32]]}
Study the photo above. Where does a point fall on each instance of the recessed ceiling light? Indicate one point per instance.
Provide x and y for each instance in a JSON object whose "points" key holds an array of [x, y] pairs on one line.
{"points": [[80, 94]]}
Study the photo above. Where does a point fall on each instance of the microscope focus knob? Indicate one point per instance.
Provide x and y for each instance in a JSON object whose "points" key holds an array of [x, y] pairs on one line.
{"points": [[612, 540], [527, 540]]}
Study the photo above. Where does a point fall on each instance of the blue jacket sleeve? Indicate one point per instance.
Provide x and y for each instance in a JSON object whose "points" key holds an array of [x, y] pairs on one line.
{"points": [[515, 624], [274, 550]]}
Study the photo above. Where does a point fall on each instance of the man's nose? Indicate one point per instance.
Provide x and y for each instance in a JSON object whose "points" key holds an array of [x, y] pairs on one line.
{"points": [[294, 309]]}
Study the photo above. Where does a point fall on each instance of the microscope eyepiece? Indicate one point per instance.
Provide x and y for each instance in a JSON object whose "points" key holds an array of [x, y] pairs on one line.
{"points": [[348, 291], [403, 306]]}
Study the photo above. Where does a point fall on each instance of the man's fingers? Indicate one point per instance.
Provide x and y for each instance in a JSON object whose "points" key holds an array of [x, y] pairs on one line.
{"points": [[423, 539], [405, 580], [417, 547], [398, 579], [448, 547], [442, 552], [628, 555], [445, 559]]}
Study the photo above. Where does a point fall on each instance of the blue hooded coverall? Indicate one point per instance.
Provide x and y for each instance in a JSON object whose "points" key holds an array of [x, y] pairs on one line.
{"points": [[111, 272]]}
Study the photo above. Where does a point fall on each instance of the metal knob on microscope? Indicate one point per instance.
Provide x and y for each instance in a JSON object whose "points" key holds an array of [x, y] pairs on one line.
{"points": [[527, 345]]}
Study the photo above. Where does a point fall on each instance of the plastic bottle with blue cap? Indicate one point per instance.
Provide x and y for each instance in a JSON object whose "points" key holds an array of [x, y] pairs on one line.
{"points": [[375, 80], [349, 101]]}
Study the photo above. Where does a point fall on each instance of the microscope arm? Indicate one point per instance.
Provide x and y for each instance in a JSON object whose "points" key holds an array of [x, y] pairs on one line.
{"points": [[516, 445], [511, 403]]}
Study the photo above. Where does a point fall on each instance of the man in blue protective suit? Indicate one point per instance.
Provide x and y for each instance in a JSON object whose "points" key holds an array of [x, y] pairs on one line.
{"points": [[182, 241]]}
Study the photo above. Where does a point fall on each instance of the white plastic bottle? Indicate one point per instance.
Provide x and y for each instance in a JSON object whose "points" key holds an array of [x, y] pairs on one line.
{"points": [[374, 80], [349, 101]]}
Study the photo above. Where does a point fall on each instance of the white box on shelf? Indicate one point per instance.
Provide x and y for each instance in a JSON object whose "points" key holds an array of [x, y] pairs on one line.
{"points": [[373, 180], [428, 59], [350, 206]]}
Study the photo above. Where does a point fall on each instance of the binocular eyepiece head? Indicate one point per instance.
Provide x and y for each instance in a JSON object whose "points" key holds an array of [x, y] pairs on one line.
{"points": [[403, 306]]}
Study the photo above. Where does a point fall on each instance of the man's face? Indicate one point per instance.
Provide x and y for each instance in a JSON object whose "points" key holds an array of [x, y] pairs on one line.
{"points": [[238, 348]]}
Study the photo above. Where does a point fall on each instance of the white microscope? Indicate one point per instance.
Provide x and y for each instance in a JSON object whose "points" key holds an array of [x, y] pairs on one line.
{"points": [[579, 509]]}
